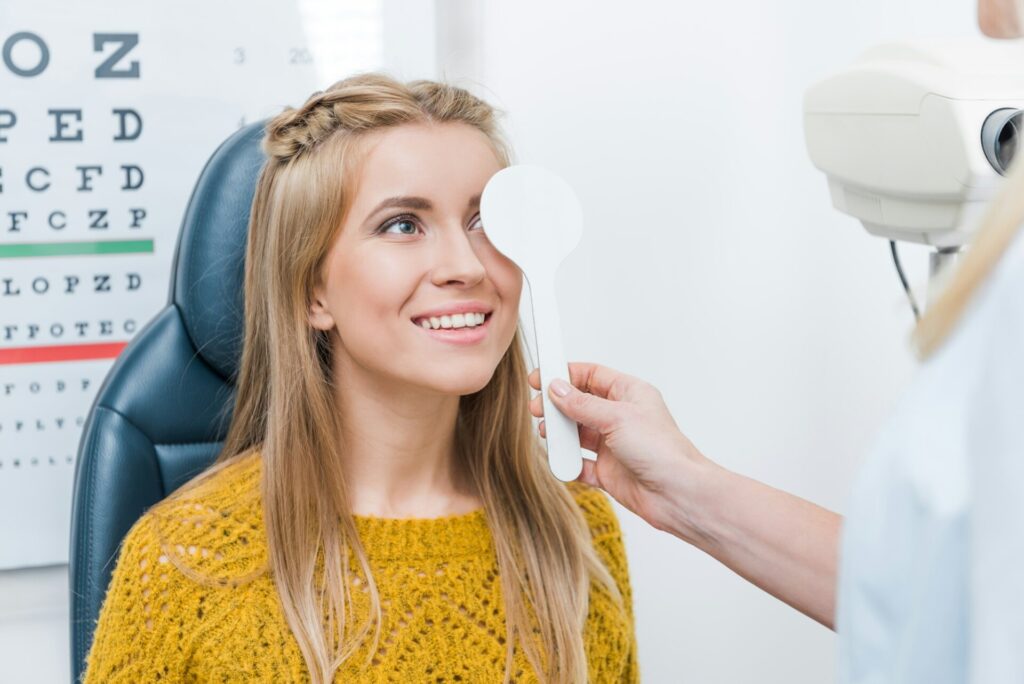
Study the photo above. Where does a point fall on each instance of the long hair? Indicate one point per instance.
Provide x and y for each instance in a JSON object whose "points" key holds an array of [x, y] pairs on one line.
{"points": [[1000, 223], [999, 226], [285, 409]]}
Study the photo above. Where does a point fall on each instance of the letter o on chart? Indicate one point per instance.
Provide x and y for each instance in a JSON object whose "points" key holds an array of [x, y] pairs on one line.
{"points": [[42, 61]]}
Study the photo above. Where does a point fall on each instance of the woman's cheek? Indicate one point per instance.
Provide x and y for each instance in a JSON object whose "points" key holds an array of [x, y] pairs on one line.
{"points": [[509, 276]]}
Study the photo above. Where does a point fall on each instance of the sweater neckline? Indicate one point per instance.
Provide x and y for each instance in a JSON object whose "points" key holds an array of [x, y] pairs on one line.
{"points": [[448, 536], [463, 534]]}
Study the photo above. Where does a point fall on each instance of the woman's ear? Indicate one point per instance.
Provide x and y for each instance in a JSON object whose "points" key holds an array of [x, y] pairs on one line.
{"points": [[319, 317]]}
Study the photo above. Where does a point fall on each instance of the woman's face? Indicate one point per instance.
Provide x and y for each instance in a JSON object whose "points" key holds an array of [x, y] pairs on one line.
{"points": [[411, 254], [999, 18]]}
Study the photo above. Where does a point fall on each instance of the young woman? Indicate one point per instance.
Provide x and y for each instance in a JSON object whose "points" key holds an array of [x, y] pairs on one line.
{"points": [[381, 509]]}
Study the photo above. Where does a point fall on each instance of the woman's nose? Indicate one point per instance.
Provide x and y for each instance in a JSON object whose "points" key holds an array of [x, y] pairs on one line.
{"points": [[457, 260]]}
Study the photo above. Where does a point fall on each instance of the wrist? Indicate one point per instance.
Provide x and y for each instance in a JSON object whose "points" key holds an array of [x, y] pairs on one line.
{"points": [[689, 497]]}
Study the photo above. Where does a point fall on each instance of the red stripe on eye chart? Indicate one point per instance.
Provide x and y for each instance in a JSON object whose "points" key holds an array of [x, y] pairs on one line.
{"points": [[62, 352]]}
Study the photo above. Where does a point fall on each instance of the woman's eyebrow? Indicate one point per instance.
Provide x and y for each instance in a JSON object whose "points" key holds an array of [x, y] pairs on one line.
{"points": [[403, 202], [420, 203]]}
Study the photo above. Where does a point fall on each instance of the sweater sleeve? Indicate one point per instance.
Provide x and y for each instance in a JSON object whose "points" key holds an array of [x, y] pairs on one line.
{"points": [[140, 635], [607, 540]]}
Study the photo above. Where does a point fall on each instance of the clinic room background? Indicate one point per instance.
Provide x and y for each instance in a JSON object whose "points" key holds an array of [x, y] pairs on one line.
{"points": [[712, 260]]}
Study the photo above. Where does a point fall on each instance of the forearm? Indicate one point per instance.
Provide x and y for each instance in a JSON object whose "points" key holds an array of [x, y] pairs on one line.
{"points": [[787, 546]]}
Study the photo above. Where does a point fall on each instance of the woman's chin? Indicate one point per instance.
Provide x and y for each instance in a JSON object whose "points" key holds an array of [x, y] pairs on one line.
{"points": [[466, 383]]}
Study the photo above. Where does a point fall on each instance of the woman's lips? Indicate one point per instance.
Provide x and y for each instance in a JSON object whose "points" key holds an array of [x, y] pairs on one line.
{"points": [[459, 336]]}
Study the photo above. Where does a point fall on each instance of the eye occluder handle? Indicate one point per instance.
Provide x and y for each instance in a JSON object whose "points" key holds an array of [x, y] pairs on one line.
{"points": [[563, 438]]}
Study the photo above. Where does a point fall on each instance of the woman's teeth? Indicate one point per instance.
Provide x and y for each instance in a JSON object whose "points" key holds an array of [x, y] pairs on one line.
{"points": [[470, 320]]}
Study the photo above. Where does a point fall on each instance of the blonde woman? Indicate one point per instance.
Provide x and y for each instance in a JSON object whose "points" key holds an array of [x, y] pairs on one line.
{"points": [[922, 580], [381, 509]]}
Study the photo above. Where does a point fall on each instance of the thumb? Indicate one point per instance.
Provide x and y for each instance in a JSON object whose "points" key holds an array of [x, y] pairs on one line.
{"points": [[586, 409]]}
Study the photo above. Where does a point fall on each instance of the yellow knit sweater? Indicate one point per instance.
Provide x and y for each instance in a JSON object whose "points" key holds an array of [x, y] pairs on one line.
{"points": [[443, 613]]}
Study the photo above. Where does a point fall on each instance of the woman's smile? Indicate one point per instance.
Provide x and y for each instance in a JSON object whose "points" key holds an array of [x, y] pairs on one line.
{"points": [[458, 323], [458, 331]]}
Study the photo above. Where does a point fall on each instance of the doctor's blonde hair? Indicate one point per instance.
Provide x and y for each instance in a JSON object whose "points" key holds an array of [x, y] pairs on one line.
{"points": [[1000, 223], [285, 407]]}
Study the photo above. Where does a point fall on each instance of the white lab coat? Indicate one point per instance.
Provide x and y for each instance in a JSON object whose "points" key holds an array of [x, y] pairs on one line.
{"points": [[931, 578]]}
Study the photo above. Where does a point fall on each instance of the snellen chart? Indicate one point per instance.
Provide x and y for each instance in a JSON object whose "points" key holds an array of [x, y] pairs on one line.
{"points": [[106, 120]]}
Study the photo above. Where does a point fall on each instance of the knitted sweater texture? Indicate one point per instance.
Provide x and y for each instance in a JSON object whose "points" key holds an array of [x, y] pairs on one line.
{"points": [[218, 617]]}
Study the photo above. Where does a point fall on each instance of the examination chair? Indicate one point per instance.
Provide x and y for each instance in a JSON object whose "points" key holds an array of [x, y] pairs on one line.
{"points": [[162, 412]]}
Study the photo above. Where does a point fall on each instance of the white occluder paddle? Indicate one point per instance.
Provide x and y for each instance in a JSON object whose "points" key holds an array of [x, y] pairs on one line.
{"points": [[534, 218]]}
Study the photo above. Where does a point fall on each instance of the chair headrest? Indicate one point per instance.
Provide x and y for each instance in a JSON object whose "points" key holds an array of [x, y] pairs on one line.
{"points": [[207, 281]]}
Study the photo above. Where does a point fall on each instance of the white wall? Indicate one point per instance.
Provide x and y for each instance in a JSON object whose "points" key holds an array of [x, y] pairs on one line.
{"points": [[713, 264], [34, 631]]}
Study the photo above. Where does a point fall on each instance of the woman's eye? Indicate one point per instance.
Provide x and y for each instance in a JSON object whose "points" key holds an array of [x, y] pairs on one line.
{"points": [[404, 226], [477, 223]]}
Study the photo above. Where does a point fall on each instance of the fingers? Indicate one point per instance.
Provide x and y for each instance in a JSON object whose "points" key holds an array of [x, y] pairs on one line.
{"points": [[537, 406], [589, 473], [589, 439], [589, 410], [593, 378], [589, 377]]}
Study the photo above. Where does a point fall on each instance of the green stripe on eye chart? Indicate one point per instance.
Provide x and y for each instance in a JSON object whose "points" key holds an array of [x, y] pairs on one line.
{"points": [[53, 249]]}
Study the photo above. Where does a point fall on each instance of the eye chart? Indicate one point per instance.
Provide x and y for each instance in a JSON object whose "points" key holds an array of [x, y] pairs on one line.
{"points": [[107, 114]]}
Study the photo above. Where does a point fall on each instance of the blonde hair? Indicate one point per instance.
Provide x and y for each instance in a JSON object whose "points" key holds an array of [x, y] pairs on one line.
{"points": [[999, 226], [285, 409]]}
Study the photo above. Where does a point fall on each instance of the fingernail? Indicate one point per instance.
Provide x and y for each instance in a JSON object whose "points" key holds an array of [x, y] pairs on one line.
{"points": [[560, 387]]}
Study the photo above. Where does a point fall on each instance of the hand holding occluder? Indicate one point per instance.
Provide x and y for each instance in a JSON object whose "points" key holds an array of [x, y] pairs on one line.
{"points": [[782, 543], [642, 456]]}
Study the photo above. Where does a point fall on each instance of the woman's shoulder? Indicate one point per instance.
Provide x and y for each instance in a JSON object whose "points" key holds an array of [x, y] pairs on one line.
{"points": [[228, 483], [211, 529], [171, 567]]}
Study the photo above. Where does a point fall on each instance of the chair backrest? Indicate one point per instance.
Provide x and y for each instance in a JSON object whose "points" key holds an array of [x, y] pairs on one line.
{"points": [[162, 412]]}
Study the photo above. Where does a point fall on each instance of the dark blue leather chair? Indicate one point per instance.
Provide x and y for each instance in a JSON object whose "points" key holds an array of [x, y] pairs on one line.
{"points": [[163, 410]]}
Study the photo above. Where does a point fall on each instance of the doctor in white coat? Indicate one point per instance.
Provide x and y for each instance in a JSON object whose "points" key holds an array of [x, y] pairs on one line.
{"points": [[924, 578]]}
